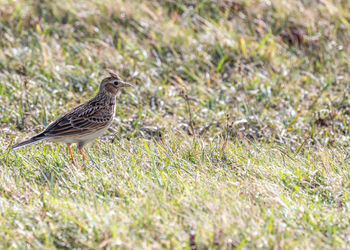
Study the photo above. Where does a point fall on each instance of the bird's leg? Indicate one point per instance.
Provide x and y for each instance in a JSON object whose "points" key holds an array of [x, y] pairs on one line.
{"points": [[82, 153], [71, 154], [80, 148]]}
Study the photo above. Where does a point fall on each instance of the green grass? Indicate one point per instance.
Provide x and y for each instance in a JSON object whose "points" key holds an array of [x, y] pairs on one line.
{"points": [[268, 88]]}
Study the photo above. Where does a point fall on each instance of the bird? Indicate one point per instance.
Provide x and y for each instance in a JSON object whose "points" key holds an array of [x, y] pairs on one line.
{"points": [[85, 122]]}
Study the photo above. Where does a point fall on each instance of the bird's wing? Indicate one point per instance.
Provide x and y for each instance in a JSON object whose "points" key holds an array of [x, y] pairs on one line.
{"points": [[83, 119]]}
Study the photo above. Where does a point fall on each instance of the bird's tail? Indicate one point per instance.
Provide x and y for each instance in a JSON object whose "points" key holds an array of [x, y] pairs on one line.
{"points": [[35, 139]]}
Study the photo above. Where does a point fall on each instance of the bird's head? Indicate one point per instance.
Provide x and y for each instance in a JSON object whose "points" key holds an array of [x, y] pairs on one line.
{"points": [[113, 83]]}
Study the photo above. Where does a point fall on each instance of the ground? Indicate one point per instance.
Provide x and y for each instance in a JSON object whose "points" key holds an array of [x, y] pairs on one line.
{"points": [[236, 134]]}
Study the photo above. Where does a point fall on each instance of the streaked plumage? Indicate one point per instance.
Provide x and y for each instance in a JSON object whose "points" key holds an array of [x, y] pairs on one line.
{"points": [[85, 122]]}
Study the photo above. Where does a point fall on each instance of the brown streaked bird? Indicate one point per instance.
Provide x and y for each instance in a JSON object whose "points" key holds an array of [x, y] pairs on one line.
{"points": [[85, 122]]}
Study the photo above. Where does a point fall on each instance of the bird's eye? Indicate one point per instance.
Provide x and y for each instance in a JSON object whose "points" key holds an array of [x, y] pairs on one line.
{"points": [[116, 83]]}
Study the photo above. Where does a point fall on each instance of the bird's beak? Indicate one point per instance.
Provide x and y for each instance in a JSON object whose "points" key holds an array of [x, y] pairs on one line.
{"points": [[126, 84]]}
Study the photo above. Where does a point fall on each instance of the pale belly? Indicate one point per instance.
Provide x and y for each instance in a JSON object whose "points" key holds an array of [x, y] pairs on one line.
{"points": [[83, 139]]}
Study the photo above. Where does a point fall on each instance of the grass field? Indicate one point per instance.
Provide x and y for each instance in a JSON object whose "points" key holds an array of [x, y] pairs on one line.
{"points": [[235, 136]]}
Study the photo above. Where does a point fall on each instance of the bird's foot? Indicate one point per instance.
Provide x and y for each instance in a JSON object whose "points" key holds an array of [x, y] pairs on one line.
{"points": [[80, 167]]}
